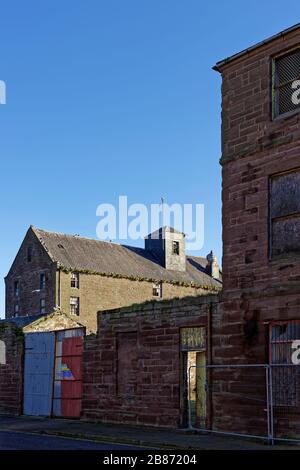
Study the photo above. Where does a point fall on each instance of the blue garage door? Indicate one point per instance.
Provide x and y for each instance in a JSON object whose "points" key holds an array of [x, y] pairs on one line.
{"points": [[38, 373]]}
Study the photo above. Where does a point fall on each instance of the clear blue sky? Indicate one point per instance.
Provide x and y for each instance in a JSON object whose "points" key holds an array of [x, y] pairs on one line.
{"points": [[115, 97]]}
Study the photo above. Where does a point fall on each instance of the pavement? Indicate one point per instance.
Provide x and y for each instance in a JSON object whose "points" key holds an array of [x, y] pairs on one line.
{"points": [[131, 435]]}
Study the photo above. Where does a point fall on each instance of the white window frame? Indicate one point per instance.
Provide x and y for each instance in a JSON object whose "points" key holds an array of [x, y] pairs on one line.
{"points": [[75, 302], [157, 289]]}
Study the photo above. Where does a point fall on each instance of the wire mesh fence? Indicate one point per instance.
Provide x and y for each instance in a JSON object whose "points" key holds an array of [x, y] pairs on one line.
{"points": [[248, 400]]}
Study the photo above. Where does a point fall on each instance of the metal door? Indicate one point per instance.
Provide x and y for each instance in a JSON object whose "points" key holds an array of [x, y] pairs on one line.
{"points": [[68, 374], [38, 373]]}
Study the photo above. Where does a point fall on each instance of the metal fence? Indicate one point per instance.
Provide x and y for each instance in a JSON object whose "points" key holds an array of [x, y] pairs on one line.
{"points": [[261, 401]]}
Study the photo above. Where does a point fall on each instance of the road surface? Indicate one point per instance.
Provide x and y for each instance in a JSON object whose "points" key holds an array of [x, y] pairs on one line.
{"points": [[23, 441]]}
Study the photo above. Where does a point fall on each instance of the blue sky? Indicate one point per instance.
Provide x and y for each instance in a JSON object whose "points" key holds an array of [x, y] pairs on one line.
{"points": [[106, 98]]}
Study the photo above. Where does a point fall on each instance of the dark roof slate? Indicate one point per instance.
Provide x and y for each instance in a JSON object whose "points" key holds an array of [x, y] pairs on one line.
{"points": [[90, 255]]}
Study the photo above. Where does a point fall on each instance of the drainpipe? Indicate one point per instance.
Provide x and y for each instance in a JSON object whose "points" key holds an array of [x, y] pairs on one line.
{"points": [[209, 361], [59, 288]]}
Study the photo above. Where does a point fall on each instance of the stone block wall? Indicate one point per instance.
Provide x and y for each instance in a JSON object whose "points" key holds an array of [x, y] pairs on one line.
{"points": [[28, 276], [11, 369], [103, 292]]}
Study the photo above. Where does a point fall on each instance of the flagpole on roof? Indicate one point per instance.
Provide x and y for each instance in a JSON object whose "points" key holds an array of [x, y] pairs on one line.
{"points": [[162, 211], [163, 220]]}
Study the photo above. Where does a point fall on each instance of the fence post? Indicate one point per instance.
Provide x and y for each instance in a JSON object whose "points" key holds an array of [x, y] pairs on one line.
{"points": [[271, 404], [189, 398]]}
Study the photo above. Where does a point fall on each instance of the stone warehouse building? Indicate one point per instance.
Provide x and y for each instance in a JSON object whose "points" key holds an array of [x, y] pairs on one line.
{"points": [[81, 276]]}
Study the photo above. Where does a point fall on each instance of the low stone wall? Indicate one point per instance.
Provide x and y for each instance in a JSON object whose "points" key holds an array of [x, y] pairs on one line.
{"points": [[11, 369], [133, 369]]}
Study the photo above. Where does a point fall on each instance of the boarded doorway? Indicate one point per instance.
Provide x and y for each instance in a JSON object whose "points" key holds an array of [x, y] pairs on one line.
{"points": [[67, 395], [194, 380], [38, 373], [53, 373]]}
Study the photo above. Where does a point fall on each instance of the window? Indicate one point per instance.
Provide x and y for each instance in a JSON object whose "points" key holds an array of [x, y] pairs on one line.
{"points": [[285, 376], [16, 310], [175, 248], [193, 338], [43, 306], [2, 353], [75, 280], [286, 83], [74, 306], [42, 281], [157, 289], [16, 288], [29, 254], [285, 214]]}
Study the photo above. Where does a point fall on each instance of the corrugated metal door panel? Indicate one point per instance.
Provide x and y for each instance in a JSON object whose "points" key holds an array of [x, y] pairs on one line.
{"points": [[38, 373], [68, 374], [71, 408], [72, 346]]}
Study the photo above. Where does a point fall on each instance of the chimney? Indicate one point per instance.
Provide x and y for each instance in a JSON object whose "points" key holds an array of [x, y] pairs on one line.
{"points": [[212, 265], [168, 246]]}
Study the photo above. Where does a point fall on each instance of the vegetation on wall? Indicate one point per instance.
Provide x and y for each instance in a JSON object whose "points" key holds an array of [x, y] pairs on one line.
{"points": [[211, 288]]}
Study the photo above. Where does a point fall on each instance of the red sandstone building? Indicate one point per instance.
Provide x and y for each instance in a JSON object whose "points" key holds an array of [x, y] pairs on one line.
{"points": [[260, 311], [137, 368]]}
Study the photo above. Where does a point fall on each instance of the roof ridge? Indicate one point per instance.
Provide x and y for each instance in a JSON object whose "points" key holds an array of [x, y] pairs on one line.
{"points": [[50, 232], [91, 256], [80, 237]]}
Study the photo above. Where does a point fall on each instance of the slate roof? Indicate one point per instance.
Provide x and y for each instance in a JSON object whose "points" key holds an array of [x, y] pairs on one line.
{"points": [[85, 254], [22, 321]]}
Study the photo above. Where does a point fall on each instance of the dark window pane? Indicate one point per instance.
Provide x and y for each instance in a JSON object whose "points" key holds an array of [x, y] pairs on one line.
{"points": [[286, 236], [285, 194], [74, 306], [42, 281], [176, 248], [29, 254], [16, 288], [75, 280]]}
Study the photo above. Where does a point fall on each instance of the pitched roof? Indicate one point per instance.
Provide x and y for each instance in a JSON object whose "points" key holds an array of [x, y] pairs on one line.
{"points": [[163, 230], [57, 320], [89, 255]]}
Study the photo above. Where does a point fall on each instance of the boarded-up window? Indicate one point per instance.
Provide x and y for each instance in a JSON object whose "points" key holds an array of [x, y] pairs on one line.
{"points": [[2, 353], [193, 339], [285, 214], [127, 363]]}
